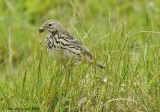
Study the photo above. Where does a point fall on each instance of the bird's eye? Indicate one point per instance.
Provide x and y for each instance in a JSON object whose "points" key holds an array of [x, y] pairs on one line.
{"points": [[49, 24]]}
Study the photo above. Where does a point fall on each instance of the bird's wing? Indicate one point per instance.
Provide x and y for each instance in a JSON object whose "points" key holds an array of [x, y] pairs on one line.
{"points": [[71, 39], [75, 42], [79, 44], [86, 51]]}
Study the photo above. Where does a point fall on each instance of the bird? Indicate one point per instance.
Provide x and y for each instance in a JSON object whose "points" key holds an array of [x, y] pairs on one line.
{"points": [[64, 46]]}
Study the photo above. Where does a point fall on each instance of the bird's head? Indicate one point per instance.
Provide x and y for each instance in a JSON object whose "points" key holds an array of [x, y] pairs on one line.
{"points": [[51, 26]]}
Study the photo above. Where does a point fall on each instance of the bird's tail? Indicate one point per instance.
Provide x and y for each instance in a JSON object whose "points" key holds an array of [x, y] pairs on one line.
{"points": [[100, 65]]}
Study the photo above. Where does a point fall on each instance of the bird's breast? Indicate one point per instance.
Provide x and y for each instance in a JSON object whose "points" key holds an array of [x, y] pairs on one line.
{"points": [[57, 45]]}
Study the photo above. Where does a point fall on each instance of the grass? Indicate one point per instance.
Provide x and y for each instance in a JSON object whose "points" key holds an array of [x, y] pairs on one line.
{"points": [[123, 35]]}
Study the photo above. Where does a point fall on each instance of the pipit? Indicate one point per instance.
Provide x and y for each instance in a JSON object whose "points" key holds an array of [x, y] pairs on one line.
{"points": [[62, 45]]}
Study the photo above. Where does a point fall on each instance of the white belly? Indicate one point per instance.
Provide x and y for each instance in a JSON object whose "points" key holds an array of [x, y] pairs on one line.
{"points": [[63, 55]]}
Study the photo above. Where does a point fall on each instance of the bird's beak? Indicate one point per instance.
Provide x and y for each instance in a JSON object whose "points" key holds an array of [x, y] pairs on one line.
{"points": [[41, 29]]}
